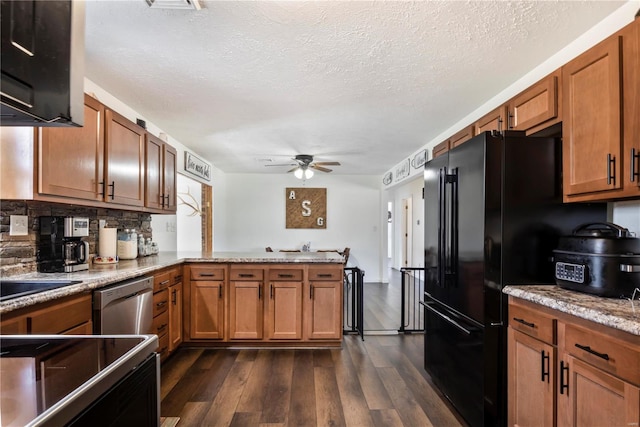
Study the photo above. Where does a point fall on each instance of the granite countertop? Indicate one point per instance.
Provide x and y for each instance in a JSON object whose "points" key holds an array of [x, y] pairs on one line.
{"points": [[612, 312], [99, 276]]}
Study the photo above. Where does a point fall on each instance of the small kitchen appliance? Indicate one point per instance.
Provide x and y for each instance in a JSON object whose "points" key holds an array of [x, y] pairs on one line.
{"points": [[599, 258], [60, 245]]}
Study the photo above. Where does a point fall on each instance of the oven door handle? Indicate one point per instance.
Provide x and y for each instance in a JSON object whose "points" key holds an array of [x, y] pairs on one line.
{"points": [[446, 318]]}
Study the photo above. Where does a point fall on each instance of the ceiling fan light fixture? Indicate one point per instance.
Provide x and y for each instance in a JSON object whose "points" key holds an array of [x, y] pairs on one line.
{"points": [[308, 173], [298, 173]]}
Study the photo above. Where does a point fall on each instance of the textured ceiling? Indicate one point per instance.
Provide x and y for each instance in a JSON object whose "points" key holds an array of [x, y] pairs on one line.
{"points": [[362, 83]]}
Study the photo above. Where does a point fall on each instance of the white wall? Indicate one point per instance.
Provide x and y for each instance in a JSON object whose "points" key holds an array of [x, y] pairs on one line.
{"points": [[255, 216], [189, 222]]}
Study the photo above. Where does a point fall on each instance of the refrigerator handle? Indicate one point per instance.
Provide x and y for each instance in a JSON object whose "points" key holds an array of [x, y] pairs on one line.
{"points": [[442, 227], [453, 259]]}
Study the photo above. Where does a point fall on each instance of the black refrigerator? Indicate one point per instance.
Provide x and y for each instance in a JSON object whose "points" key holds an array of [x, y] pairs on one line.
{"points": [[493, 215]]}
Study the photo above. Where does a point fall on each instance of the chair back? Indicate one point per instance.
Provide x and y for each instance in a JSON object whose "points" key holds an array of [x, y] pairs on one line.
{"points": [[268, 249], [345, 254]]}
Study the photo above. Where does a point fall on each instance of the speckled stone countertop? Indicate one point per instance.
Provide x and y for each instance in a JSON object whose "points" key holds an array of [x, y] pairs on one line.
{"points": [[99, 276], [612, 312]]}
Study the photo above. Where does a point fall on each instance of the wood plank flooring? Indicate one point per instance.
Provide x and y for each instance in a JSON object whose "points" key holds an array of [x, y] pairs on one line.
{"points": [[376, 382]]}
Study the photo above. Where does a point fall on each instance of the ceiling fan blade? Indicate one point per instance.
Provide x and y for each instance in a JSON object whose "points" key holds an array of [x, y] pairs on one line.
{"points": [[283, 164], [327, 163], [320, 168], [291, 170]]}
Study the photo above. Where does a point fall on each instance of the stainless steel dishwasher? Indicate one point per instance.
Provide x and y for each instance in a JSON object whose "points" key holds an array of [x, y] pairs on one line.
{"points": [[124, 308]]}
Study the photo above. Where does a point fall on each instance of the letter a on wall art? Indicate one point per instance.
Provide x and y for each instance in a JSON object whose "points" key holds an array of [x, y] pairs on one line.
{"points": [[306, 207]]}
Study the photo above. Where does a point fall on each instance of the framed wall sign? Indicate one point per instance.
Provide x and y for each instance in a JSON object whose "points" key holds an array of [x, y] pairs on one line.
{"points": [[306, 207], [196, 166]]}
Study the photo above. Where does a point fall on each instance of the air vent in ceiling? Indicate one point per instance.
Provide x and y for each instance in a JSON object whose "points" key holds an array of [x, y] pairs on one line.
{"points": [[174, 4]]}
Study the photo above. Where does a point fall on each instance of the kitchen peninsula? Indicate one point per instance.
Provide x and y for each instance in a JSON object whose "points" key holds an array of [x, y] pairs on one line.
{"points": [[228, 298]]}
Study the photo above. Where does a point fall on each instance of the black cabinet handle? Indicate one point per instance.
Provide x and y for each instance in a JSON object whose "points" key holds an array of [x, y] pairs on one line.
{"points": [[564, 367], [611, 178], [544, 368], [162, 199], [325, 275], [207, 274], [310, 291], [271, 292], [285, 276], [524, 322], [220, 291], [162, 327], [635, 160], [259, 291], [245, 275], [167, 204], [588, 349], [510, 118], [101, 183], [113, 189], [500, 124], [173, 297]]}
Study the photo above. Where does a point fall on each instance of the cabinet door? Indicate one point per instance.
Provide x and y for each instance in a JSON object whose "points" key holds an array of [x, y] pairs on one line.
{"points": [[285, 311], [71, 160], [246, 310], [495, 120], [462, 136], [440, 149], [324, 313], [531, 381], [631, 113], [536, 105], [124, 175], [594, 398], [207, 310], [591, 129], [175, 316], [169, 157], [153, 170]]}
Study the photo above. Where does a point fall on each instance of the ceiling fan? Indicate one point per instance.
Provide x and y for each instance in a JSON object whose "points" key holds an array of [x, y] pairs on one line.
{"points": [[303, 165]]}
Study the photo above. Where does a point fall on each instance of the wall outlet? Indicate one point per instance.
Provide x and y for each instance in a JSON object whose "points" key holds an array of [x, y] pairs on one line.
{"points": [[18, 225]]}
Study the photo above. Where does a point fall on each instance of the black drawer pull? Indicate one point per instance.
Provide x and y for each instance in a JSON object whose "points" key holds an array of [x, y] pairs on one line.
{"points": [[588, 349], [161, 304], [288, 276], [207, 274], [564, 367], [524, 322], [246, 275], [113, 189], [164, 282], [325, 275], [545, 371], [162, 327]]}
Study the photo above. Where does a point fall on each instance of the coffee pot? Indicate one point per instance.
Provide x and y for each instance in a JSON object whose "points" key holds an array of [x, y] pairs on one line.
{"points": [[76, 255]]}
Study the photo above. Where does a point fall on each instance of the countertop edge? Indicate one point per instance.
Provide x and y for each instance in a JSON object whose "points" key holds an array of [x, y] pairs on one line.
{"points": [[616, 313], [101, 276]]}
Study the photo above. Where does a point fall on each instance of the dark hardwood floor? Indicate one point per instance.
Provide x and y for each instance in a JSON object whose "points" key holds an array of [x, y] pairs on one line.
{"points": [[376, 382]]}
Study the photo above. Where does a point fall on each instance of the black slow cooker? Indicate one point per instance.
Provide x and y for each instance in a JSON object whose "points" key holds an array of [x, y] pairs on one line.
{"points": [[599, 258]]}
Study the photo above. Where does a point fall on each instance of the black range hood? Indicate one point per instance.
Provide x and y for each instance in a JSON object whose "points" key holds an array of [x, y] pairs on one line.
{"points": [[42, 68]]}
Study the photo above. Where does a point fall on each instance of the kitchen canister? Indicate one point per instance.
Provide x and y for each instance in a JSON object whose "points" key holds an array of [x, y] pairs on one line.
{"points": [[107, 242], [127, 244]]}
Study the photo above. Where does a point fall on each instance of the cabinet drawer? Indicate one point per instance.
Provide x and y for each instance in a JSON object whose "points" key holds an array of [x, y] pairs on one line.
{"points": [[61, 317], [161, 324], [533, 323], [325, 274], [161, 281], [603, 352], [282, 274], [176, 275], [160, 302], [163, 346], [247, 274], [207, 273]]}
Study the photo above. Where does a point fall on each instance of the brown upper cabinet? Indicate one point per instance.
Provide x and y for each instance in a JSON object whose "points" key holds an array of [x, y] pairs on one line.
{"points": [[104, 163], [601, 128], [71, 160], [537, 107], [495, 120], [160, 164], [458, 138], [124, 166]]}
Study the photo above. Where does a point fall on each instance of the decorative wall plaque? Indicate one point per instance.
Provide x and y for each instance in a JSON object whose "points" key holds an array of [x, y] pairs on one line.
{"points": [[306, 207], [196, 166]]}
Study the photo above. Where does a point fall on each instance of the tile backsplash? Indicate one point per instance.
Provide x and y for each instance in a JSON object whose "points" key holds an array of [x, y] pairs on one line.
{"points": [[18, 253]]}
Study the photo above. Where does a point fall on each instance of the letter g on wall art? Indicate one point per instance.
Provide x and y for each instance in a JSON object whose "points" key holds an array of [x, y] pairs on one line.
{"points": [[306, 207]]}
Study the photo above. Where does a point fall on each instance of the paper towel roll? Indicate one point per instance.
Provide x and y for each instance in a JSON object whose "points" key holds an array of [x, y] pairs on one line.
{"points": [[107, 242]]}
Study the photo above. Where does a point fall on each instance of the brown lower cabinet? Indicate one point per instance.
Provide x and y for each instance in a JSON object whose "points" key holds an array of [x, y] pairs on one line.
{"points": [[567, 371], [167, 309], [269, 304], [68, 315]]}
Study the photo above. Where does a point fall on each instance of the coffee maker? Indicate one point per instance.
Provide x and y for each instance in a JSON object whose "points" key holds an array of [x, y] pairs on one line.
{"points": [[60, 245]]}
